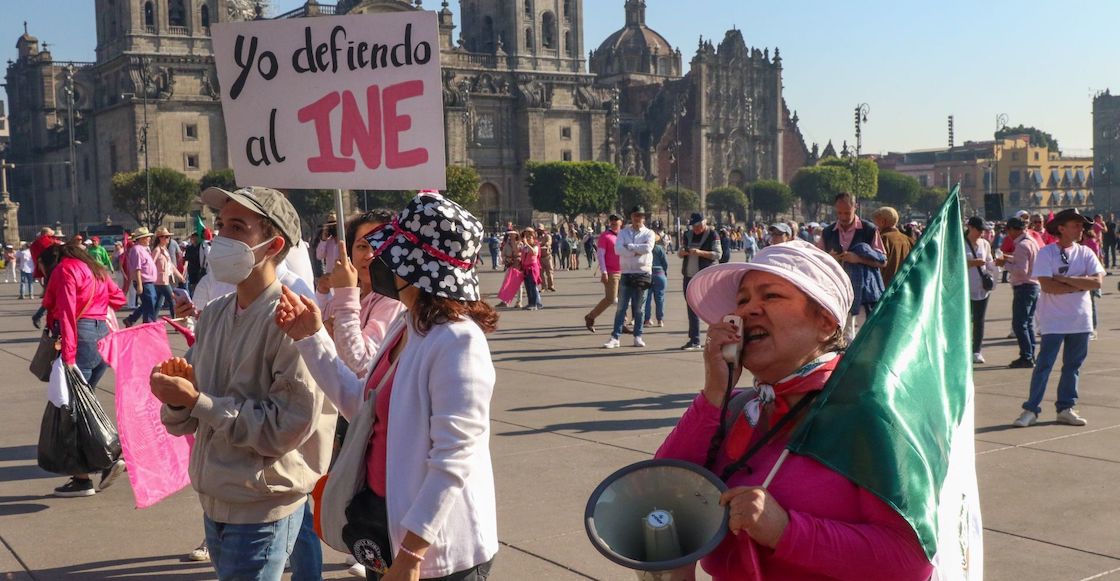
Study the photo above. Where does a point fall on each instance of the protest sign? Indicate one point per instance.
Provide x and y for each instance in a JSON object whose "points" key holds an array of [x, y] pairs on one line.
{"points": [[334, 102]]}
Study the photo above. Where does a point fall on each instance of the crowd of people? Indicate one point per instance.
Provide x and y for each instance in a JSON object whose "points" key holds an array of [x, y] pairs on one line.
{"points": [[354, 355]]}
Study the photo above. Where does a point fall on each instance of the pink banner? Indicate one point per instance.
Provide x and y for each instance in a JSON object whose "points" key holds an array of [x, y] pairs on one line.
{"points": [[157, 461]]}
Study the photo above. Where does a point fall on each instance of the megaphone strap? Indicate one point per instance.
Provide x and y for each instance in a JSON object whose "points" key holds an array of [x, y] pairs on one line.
{"points": [[741, 462]]}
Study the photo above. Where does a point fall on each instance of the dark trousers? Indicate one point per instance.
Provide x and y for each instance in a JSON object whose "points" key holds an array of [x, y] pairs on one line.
{"points": [[693, 320], [479, 573], [1109, 251], [979, 308], [1023, 303]]}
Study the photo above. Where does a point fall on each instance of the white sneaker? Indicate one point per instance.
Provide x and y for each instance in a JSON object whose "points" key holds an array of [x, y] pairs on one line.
{"points": [[977, 358], [202, 553], [638, 342], [357, 570], [1093, 336], [612, 344], [1027, 418], [1069, 417]]}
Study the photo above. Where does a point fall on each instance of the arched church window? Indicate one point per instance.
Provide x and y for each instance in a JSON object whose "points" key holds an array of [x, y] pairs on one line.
{"points": [[204, 13], [548, 30], [149, 14], [176, 13], [529, 39], [488, 35]]}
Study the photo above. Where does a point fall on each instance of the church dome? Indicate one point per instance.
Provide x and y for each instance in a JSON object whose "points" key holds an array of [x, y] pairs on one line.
{"points": [[636, 48]]}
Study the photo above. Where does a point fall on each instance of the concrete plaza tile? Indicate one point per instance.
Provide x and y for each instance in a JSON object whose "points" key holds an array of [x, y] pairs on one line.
{"points": [[508, 440], [1051, 497], [994, 415], [576, 548], [544, 495], [1099, 443], [1014, 558], [512, 563]]}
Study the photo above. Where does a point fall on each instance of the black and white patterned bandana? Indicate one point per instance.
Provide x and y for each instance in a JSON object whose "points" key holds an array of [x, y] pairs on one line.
{"points": [[433, 244]]}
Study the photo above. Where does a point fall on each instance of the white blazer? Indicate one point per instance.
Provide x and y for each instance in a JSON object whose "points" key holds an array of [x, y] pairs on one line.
{"points": [[440, 479]]}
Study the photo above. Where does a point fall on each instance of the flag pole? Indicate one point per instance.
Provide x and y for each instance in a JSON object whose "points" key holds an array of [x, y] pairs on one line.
{"points": [[340, 226], [774, 470]]}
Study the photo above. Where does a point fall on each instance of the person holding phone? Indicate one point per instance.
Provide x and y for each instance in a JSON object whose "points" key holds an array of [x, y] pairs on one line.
{"points": [[810, 523]]}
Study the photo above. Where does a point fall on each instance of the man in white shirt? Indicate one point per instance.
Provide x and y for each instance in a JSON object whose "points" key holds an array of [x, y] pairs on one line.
{"points": [[26, 270], [635, 256], [1067, 273]]}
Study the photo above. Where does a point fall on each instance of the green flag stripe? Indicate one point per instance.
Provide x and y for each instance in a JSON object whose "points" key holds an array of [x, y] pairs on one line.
{"points": [[885, 419]]}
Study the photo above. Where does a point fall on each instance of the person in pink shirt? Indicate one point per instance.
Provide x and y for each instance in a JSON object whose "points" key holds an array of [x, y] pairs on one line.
{"points": [[531, 268], [610, 271], [360, 317], [167, 272], [80, 297], [809, 523]]}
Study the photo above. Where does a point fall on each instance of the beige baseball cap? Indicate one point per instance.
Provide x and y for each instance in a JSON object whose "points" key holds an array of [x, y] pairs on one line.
{"points": [[267, 202]]}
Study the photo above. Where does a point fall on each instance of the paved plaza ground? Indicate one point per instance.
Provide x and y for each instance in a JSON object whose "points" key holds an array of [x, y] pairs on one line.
{"points": [[566, 413]]}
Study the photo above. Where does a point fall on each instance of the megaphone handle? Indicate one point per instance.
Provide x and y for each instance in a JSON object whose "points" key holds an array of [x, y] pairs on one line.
{"points": [[774, 470]]}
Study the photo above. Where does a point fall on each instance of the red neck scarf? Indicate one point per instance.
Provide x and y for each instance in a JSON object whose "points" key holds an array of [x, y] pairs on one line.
{"points": [[770, 402]]}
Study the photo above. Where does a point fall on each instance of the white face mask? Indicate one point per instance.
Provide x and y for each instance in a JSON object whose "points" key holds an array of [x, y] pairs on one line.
{"points": [[231, 261]]}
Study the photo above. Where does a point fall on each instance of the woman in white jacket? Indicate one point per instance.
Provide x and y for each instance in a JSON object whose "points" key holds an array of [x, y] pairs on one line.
{"points": [[429, 480]]}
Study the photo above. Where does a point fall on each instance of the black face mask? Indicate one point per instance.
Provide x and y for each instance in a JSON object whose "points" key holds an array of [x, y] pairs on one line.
{"points": [[383, 281]]}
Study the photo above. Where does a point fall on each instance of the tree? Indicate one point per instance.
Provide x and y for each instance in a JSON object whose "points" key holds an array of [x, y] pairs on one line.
{"points": [[898, 189], [1039, 138], [931, 199], [172, 194], [728, 200], [218, 178], [571, 188], [313, 207], [865, 175], [635, 191], [689, 201], [819, 185], [771, 197], [462, 185]]}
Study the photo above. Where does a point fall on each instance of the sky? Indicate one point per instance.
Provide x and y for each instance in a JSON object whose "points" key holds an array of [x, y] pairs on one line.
{"points": [[914, 63]]}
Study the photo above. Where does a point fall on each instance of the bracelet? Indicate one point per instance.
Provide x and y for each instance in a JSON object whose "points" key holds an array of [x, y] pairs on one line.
{"points": [[419, 558]]}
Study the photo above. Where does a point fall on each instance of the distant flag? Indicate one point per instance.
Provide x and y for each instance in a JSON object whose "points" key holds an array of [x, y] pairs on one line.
{"points": [[897, 415], [199, 227]]}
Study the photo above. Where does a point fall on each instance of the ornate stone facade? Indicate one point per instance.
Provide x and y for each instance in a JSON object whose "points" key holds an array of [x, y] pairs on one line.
{"points": [[153, 77], [1106, 149]]}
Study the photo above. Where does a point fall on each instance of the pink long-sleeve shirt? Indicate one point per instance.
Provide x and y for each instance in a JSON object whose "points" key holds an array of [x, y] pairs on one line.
{"points": [[72, 286], [360, 324], [836, 529]]}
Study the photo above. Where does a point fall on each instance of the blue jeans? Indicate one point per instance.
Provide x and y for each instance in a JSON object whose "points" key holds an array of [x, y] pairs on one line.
{"points": [[26, 280], [252, 552], [147, 310], [307, 554], [533, 293], [656, 296], [1023, 302], [164, 295], [494, 259], [1073, 355], [635, 298], [693, 320], [88, 360]]}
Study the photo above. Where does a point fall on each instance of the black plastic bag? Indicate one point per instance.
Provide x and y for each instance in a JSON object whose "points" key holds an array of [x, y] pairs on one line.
{"points": [[79, 438]]}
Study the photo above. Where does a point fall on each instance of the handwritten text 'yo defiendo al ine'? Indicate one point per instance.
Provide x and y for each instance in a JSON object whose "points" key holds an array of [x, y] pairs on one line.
{"points": [[375, 140]]}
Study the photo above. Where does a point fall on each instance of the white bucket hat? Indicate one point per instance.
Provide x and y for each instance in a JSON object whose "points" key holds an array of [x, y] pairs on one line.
{"points": [[714, 291]]}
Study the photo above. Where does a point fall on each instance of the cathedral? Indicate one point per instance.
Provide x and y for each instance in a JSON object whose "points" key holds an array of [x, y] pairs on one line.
{"points": [[518, 86]]}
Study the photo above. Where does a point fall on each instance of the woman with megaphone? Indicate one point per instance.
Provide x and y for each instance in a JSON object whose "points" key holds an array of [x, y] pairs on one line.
{"points": [[803, 522]]}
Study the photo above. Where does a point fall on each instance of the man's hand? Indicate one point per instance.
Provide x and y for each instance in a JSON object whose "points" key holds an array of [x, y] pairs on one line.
{"points": [[755, 511], [178, 367], [323, 284], [850, 258], [297, 316], [344, 274], [684, 253], [184, 307], [403, 569], [174, 391]]}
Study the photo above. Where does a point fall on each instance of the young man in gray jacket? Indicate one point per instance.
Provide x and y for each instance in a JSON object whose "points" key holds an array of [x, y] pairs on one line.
{"points": [[263, 428]]}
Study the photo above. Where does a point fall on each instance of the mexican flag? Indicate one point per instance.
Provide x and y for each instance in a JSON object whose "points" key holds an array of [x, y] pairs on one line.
{"points": [[199, 226], [897, 415]]}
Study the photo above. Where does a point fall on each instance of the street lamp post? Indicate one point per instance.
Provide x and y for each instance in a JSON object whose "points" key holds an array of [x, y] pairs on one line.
{"points": [[142, 64], [73, 149], [679, 111], [861, 119], [1001, 123]]}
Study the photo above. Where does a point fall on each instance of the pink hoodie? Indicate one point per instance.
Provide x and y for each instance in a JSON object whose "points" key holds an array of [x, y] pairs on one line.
{"points": [[836, 529]]}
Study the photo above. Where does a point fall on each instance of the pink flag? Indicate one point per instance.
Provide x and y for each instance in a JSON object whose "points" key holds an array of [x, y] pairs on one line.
{"points": [[157, 461]]}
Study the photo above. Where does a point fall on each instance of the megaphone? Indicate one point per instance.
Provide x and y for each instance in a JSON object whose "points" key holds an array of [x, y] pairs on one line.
{"points": [[658, 517]]}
